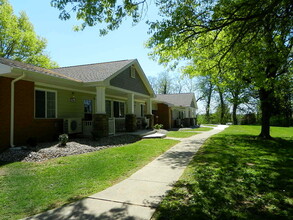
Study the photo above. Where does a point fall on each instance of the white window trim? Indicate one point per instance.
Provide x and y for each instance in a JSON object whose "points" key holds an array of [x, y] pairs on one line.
{"points": [[45, 90]]}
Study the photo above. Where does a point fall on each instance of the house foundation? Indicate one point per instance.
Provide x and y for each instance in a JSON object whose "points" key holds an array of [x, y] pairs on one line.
{"points": [[186, 122], [192, 122], [130, 122], [100, 126]]}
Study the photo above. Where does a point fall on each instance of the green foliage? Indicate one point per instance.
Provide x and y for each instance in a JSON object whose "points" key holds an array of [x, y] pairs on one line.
{"points": [[237, 42], [248, 119], [18, 40], [92, 13], [280, 120], [158, 126], [63, 139], [236, 176], [31, 188]]}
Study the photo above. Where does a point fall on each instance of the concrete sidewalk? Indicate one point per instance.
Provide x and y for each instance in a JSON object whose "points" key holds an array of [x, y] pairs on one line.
{"points": [[136, 197]]}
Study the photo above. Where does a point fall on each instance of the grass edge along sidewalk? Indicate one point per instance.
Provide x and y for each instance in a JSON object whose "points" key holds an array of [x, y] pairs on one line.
{"points": [[31, 188], [235, 175]]}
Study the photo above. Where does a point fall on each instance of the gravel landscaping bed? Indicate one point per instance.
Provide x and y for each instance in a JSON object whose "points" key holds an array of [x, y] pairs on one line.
{"points": [[45, 151]]}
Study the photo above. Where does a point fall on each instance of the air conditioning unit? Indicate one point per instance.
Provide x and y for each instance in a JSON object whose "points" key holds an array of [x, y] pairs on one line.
{"points": [[72, 125]]}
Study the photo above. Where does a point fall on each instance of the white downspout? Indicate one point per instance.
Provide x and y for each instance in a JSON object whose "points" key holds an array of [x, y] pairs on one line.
{"points": [[12, 109]]}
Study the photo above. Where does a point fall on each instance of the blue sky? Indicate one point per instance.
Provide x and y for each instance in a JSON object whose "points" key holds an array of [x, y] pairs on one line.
{"points": [[68, 48]]}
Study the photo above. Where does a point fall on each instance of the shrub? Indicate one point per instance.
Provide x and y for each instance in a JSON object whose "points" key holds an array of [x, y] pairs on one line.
{"points": [[63, 139], [158, 126], [248, 119]]}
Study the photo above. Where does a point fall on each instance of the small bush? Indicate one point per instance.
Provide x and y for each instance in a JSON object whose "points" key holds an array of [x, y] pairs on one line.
{"points": [[63, 139], [248, 119], [158, 126]]}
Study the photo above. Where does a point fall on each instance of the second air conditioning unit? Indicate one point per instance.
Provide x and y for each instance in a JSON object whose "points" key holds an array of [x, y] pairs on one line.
{"points": [[72, 125]]}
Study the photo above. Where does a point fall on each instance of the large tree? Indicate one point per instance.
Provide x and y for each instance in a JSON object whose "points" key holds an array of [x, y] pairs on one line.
{"points": [[261, 31], [18, 40]]}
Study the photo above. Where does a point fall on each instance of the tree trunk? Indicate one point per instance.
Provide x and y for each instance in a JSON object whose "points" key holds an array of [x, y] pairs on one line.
{"points": [[234, 115], [209, 102], [222, 103], [265, 106]]}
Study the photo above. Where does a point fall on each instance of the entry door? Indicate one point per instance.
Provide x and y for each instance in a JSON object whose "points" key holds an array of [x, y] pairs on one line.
{"points": [[88, 109]]}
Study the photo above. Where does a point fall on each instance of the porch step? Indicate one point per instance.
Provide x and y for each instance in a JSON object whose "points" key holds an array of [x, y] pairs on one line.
{"points": [[141, 133], [155, 135]]}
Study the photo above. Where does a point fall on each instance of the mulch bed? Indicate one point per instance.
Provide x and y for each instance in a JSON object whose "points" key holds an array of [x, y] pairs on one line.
{"points": [[45, 151]]}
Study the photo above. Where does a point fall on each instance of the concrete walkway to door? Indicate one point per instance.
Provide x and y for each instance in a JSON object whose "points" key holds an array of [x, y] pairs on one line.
{"points": [[136, 197]]}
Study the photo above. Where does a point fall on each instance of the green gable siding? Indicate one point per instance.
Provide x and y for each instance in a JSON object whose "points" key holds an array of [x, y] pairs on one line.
{"points": [[124, 81], [192, 104]]}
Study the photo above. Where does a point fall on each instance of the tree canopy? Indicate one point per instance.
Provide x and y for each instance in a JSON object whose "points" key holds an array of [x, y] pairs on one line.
{"points": [[210, 33], [18, 40]]}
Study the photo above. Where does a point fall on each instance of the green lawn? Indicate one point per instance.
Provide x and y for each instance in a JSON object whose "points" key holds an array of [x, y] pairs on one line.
{"points": [[180, 134], [236, 176], [30, 188], [199, 129]]}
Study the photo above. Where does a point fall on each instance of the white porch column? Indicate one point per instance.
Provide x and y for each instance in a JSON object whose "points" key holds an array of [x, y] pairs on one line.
{"points": [[130, 103], [187, 113], [149, 106], [100, 100]]}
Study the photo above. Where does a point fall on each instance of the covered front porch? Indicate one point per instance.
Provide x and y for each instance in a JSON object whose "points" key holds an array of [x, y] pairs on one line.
{"points": [[117, 110]]}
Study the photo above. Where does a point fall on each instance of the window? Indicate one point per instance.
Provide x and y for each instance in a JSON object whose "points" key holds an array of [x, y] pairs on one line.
{"points": [[45, 104], [119, 109], [88, 109]]}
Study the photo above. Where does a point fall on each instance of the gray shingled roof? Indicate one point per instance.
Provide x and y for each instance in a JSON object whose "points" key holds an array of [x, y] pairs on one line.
{"points": [[93, 72], [29, 67], [181, 99]]}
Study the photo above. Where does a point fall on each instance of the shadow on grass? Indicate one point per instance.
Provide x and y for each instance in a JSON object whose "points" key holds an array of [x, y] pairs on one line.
{"points": [[235, 177]]}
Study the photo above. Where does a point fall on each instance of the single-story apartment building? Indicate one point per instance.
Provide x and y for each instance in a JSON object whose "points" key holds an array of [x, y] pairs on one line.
{"points": [[175, 110], [98, 99]]}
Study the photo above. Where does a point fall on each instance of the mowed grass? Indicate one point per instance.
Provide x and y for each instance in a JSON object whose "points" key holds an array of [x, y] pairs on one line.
{"points": [[180, 134], [200, 129], [30, 188], [235, 175]]}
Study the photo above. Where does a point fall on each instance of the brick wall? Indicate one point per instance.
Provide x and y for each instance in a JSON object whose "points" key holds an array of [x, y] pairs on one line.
{"points": [[4, 112], [164, 115], [25, 125]]}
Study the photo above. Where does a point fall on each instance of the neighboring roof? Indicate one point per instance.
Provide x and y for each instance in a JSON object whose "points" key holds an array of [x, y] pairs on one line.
{"points": [[180, 99], [93, 72], [29, 67]]}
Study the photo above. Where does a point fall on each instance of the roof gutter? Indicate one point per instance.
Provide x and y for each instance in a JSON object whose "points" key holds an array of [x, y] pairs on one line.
{"points": [[12, 109]]}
